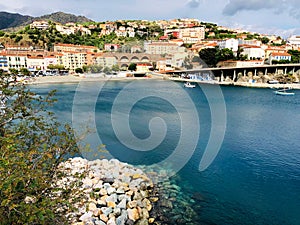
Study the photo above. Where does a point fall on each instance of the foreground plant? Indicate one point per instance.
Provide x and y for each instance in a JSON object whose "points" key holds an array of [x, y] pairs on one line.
{"points": [[32, 145]]}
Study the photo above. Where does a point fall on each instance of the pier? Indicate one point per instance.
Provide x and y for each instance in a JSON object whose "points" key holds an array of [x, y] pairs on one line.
{"points": [[233, 72]]}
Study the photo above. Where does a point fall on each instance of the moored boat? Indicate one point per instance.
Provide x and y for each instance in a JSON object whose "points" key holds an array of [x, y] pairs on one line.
{"points": [[284, 92], [189, 85]]}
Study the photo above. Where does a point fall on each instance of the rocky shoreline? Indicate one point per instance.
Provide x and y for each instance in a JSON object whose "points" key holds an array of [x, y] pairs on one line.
{"points": [[116, 193], [113, 193]]}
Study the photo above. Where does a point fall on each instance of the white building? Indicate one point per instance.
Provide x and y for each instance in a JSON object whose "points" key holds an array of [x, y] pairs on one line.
{"points": [[64, 30], [50, 60], [41, 25], [280, 56], [16, 61], [294, 40], [3, 62], [253, 52], [250, 42], [35, 63], [231, 43]]}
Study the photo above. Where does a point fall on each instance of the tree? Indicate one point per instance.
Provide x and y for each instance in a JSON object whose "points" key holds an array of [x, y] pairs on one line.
{"points": [[132, 67], [265, 40], [115, 67], [57, 67], [13, 71], [78, 70], [32, 144], [24, 71], [106, 70], [208, 55], [295, 56], [224, 54]]}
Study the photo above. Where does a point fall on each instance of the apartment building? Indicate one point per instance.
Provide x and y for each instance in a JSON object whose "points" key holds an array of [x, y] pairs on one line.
{"points": [[74, 48], [17, 61], [192, 35], [35, 63], [189, 35], [161, 48], [72, 60], [106, 61], [3, 62]]}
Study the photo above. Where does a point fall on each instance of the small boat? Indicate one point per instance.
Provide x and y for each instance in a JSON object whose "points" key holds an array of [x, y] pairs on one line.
{"points": [[273, 82], [284, 92], [189, 85]]}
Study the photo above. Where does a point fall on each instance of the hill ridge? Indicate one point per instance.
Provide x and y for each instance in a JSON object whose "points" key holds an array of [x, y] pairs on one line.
{"points": [[13, 20]]}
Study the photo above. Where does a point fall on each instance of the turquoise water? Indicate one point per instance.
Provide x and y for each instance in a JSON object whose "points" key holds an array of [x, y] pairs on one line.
{"points": [[255, 178]]}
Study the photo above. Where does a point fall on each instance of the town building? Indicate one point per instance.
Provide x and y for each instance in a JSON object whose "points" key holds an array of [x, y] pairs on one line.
{"points": [[72, 60], [74, 48], [237, 63], [35, 63], [280, 56], [273, 49], [294, 40], [229, 43], [17, 61], [161, 48], [3, 62], [252, 52], [189, 35], [40, 25], [111, 47]]}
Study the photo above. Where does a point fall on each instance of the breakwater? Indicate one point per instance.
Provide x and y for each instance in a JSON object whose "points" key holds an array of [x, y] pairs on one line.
{"points": [[113, 192], [116, 193]]}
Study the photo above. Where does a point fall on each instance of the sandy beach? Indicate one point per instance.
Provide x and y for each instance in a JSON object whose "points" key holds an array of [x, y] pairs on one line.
{"points": [[77, 79]]}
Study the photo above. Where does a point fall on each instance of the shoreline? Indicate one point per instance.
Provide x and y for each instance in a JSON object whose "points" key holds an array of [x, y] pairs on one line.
{"points": [[77, 79]]}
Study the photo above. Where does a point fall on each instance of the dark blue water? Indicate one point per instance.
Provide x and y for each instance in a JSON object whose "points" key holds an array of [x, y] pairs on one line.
{"points": [[255, 178]]}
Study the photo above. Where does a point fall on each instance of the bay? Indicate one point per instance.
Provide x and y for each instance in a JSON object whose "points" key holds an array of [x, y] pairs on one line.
{"points": [[255, 177]]}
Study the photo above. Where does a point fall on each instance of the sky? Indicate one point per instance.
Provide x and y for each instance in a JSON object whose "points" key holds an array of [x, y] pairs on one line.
{"points": [[279, 17]]}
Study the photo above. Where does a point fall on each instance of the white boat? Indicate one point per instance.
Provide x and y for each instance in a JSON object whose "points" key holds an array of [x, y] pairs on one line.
{"points": [[189, 85], [273, 82], [284, 92]]}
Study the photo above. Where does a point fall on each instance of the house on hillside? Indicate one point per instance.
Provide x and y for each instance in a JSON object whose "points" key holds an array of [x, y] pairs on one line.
{"points": [[40, 25], [280, 56], [229, 43], [253, 52]]}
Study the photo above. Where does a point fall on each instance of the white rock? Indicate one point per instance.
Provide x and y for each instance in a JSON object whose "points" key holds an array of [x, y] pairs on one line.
{"points": [[86, 217], [122, 204], [111, 221]]}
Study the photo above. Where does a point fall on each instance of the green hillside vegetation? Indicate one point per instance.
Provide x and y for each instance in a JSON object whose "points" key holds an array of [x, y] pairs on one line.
{"points": [[46, 38], [12, 19], [63, 18]]}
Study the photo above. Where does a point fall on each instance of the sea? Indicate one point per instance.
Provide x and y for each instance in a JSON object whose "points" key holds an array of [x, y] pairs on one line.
{"points": [[236, 147]]}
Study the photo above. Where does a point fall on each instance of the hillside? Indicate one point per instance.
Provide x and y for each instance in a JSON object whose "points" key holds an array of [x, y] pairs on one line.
{"points": [[13, 20], [63, 18]]}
